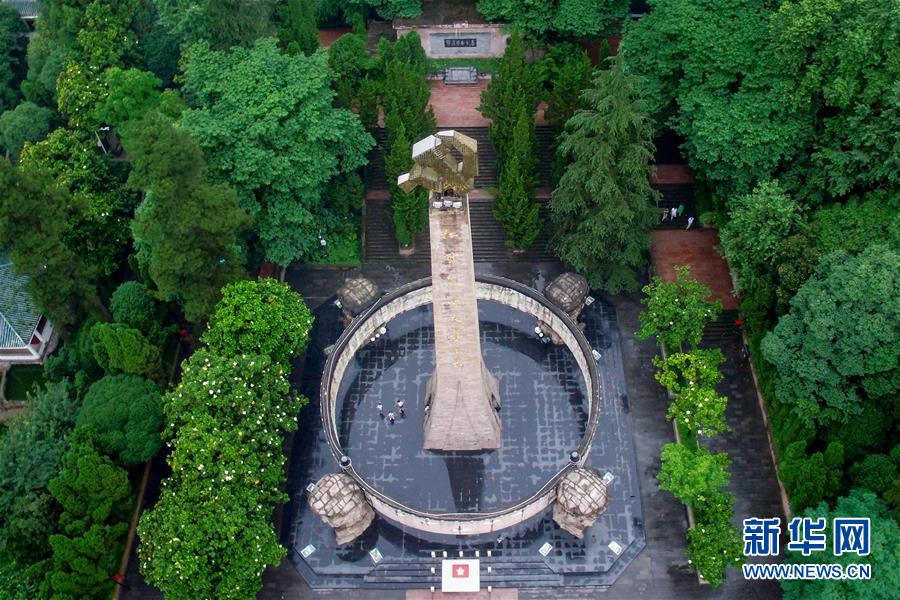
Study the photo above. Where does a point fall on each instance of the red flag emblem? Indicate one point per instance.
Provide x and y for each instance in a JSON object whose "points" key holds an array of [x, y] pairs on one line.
{"points": [[461, 571]]}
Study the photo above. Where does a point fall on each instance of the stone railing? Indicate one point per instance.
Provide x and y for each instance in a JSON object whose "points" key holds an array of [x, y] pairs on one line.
{"points": [[409, 297]]}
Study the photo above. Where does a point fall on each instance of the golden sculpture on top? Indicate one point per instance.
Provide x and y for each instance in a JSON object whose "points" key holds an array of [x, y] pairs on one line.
{"points": [[436, 168]]}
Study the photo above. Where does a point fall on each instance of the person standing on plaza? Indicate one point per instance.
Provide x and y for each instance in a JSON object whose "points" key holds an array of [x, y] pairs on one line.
{"points": [[400, 409], [680, 209], [690, 222], [380, 408], [673, 213], [391, 417]]}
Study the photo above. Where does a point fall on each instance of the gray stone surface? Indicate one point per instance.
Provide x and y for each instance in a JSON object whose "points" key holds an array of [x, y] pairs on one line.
{"points": [[581, 498], [341, 504]]}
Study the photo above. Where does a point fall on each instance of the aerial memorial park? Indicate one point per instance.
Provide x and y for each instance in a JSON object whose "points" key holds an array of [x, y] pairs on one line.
{"points": [[421, 299]]}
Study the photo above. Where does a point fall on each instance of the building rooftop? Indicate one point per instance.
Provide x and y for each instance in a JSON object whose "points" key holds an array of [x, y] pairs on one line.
{"points": [[18, 314], [28, 9]]}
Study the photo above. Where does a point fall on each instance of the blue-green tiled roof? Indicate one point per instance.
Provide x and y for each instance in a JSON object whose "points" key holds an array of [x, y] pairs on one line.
{"points": [[18, 315], [27, 8]]}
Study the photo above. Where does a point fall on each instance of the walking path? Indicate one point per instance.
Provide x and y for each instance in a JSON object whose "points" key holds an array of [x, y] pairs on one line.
{"points": [[696, 248], [457, 105]]}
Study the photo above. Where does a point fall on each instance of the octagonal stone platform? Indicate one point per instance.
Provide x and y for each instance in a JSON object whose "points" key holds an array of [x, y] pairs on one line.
{"points": [[553, 397]]}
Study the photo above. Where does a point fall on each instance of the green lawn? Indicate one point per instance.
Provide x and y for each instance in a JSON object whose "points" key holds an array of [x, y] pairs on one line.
{"points": [[21, 379], [341, 250]]}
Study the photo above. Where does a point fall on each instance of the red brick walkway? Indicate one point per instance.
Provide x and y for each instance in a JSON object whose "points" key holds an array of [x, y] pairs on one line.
{"points": [[457, 105], [671, 248]]}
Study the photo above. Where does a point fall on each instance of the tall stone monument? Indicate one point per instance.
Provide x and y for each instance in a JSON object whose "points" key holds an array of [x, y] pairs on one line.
{"points": [[462, 397]]}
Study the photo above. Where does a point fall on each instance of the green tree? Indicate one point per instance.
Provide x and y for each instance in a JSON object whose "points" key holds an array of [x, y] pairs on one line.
{"points": [[227, 472], [409, 210], [120, 349], [568, 73], [692, 474], [390, 9], [95, 498], [31, 452], [299, 31], [259, 317], [602, 209], [27, 122], [222, 23], [839, 346], [752, 236], [34, 219], [712, 547], [797, 259], [98, 225], [677, 311], [133, 305], [515, 206], [266, 122], [12, 54], [841, 63], [186, 230], [130, 94], [125, 413], [875, 472], [692, 378], [582, 18], [516, 82], [811, 478], [706, 71], [350, 63], [855, 224], [884, 557]]}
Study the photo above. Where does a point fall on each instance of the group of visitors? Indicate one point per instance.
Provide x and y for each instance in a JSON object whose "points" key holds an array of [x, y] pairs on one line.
{"points": [[391, 416], [673, 213]]}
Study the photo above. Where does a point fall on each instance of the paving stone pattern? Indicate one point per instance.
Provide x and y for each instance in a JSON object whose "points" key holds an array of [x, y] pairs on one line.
{"points": [[515, 561]]}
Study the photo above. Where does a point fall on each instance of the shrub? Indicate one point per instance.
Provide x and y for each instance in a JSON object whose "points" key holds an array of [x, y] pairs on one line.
{"points": [[712, 546], [121, 349], [95, 497], [133, 305], [808, 479], [125, 413], [691, 475]]}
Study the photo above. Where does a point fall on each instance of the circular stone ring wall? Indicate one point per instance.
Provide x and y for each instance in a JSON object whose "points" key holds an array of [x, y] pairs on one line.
{"points": [[409, 297]]}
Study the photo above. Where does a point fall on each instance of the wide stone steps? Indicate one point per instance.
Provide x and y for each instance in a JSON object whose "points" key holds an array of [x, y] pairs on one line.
{"points": [[376, 179], [722, 332], [488, 237], [503, 573], [672, 197]]}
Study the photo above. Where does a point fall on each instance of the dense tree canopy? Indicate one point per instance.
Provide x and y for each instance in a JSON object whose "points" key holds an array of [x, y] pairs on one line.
{"points": [[602, 209], [95, 497], [839, 346], [133, 305], [12, 54], [576, 17], [125, 413], [35, 219], [27, 122], [222, 23], [266, 122], [189, 259], [31, 454], [841, 64], [702, 75], [884, 556], [259, 317], [752, 238]]}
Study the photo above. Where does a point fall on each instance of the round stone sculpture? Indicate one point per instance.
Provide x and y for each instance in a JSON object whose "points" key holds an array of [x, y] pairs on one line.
{"points": [[581, 498], [356, 295], [340, 502]]}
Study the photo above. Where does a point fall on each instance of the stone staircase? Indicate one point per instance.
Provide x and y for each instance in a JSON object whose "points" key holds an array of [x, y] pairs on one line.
{"points": [[504, 573], [488, 238], [376, 178], [722, 332], [672, 197]]}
